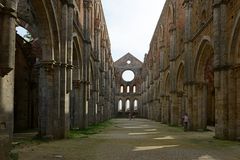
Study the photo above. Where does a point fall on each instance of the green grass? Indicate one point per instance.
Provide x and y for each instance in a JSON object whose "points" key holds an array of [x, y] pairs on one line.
{"points": [[13, 155], [93, 129]]}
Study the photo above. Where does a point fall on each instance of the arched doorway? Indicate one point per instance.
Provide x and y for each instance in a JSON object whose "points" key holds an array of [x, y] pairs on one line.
{"points": [[26, 82], [204, 114], [182, 98]]}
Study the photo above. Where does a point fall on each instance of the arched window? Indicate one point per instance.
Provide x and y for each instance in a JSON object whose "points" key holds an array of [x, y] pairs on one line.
{"points": [[134, 89], [121, 89], [120, 105], [128, 89], [135, 105], [127, 105]]}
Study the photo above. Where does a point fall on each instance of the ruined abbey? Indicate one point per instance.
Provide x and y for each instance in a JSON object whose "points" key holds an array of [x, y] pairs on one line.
{"points": [[65, 78]]}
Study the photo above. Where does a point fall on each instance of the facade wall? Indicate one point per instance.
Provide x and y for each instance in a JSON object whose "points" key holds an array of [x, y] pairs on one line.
{"points": [[124, 90], [192, 55]]}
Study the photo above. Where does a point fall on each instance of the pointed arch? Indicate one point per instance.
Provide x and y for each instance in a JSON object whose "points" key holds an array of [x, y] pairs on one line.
{"points": [[170, 14], [180, 77], [204, 54], [167, 84], [234, 45], [48, 28], [77, 58]]}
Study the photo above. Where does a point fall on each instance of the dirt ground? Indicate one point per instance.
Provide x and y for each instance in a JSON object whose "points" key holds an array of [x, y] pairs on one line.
{"points": [[136, 139]]}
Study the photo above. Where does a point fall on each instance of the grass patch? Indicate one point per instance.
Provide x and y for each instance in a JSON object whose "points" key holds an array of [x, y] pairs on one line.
{"points": [[13, 155], [93, 129]]}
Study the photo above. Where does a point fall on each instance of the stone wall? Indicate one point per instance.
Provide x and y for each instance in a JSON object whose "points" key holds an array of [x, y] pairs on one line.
{"points": [[127, 91], [62, 77], [192, 55]]}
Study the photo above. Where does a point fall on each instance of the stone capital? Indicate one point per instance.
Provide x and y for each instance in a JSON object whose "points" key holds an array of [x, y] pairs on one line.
{"points": [[172, 27], [8, 11], [69, 66], [48, 65], [76, 83], [187, 3], [218, 3], [88, 3], [180, 93], [4, 70]]}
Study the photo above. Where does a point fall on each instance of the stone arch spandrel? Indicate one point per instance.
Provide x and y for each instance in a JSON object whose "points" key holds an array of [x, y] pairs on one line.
{"points": [[234, 45], [76, 62], [233, 82], [77, 57], [40, 25], [49, 30]]}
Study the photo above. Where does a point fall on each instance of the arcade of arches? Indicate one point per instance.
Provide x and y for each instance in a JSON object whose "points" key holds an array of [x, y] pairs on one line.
{"points": [[64, 77]]}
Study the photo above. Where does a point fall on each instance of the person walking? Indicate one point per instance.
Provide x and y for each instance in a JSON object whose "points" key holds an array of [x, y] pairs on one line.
{"points": [[185, 122]]}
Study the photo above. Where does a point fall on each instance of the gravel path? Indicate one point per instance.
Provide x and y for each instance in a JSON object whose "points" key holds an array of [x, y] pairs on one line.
{"points": [[137, 139]]}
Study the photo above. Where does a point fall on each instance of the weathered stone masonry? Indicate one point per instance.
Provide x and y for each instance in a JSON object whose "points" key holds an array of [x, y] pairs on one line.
{"points": [[60, 79], [192, 66]]}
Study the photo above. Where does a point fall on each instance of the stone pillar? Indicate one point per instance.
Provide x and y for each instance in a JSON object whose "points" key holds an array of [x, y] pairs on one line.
{"points": [[188, 69], [174, 109], [202, 100], [64, 71], [8, 36], [92, 107], [49, 108], [220, 69], [86, 57], [7, 63], [75, 110], [180, 103], [84, 104], [165, 100], [174, 116]]}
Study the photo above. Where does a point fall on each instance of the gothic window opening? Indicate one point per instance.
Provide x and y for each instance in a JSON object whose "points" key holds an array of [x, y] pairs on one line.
{"points": [[120, 105], [121, 89], [134, 89], [135, 105], [128, 89], [127, 105]]}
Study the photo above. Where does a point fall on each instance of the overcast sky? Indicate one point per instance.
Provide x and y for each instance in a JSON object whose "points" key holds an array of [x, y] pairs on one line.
{"points": [[131, 24]]}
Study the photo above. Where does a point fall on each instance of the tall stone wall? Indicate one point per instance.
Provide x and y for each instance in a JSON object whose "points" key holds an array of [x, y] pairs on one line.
{"points": [[192, 55], [127, 93], [60, 71]]}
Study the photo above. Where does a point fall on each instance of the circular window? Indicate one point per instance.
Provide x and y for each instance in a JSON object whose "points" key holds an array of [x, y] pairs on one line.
{"points": [[128, 75], [128, 62]]}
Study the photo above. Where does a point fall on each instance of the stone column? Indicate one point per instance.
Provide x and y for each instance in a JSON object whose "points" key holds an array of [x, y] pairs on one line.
{"points": [[64, 77], [8, 36], [174, 116], [180, 100], [165, 114], [220, 69], [49, 109], [188, 69], [7, 64], [92, 106], [202, 100], [174, 109], [84, 104], [86, 57], [75, 111], [101, 94]]}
